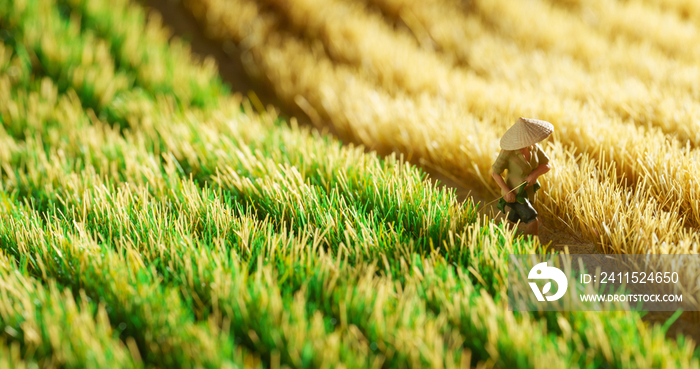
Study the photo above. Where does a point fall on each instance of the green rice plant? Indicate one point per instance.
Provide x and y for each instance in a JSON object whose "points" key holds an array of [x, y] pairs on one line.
{"points": [[15, 64], [85, 66], [61, 166], [423, 212], [88, 67], [53, 328], [141, 45], [26, 107], [221, 300], [74, 60], [10, 357], [151, 315], [89, 136], [252, 316]]}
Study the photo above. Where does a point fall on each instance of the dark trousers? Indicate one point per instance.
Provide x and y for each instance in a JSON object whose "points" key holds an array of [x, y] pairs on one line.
{"points": [[524, 213]]}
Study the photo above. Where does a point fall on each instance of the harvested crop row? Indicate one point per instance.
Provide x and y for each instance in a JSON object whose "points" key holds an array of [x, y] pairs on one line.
{"points": [[686, 9], [665, 97], [629, 80], [350, 34], [636, 22], [328, 21]]}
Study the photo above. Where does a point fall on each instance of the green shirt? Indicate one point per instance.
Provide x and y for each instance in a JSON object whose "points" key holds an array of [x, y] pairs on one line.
{"points": [[518, 168]]}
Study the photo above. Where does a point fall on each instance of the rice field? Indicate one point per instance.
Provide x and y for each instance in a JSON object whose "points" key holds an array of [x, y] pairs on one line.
{"points": [[152, 218], [441, 81]]}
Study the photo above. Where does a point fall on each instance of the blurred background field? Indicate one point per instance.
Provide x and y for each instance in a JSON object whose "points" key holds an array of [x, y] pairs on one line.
{"points": [[270, 200]]}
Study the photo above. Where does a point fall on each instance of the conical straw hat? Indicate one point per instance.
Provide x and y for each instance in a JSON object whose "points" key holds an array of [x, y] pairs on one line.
{"points": [[525, 132]]}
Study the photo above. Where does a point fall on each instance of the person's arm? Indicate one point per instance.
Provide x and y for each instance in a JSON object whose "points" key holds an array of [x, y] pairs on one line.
{"points": [[509, 196], [540, 170], [498, 167], [501, 183]]}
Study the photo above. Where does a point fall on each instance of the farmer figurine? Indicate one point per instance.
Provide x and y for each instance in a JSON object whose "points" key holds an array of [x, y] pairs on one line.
{"points": [[525, 161]]}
